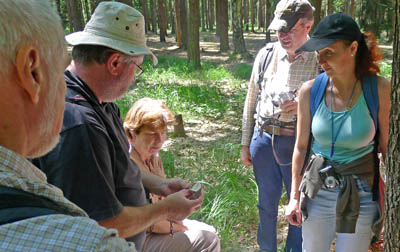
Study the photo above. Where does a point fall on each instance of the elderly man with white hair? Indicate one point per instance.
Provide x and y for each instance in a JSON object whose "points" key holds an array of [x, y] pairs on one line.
{"points": [[34, 215]]}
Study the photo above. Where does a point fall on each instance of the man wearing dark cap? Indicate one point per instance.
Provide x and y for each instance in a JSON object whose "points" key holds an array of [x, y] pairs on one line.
{"points": [[91, 163], [269, 116]]}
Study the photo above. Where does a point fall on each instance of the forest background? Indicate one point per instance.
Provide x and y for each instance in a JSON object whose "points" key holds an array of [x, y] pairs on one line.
{"points": [[206, 49]]}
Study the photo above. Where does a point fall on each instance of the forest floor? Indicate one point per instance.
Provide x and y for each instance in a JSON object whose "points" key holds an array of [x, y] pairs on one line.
{"points": [[207, 131]]}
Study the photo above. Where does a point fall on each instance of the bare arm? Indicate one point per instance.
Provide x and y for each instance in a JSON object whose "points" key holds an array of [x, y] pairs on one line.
{"points": [[133, 220], [383, 115], [162, 186], [300, 149]]}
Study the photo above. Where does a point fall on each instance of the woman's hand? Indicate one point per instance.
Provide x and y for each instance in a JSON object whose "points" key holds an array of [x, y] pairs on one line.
{"points": [[293, 214]]}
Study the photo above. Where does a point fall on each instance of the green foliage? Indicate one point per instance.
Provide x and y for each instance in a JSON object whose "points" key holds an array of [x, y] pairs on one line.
{"points": [[386, 69]]}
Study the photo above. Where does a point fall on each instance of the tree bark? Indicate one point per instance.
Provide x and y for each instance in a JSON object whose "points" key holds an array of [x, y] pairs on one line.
{"points": [[392, 195], [211, 14], [246, 14], [153, 17], [223, 25], [75, 13], [93, 4], [238, 39], [203, 16], [268, 19], [172, 17], [317, 13], [179, 129], [162, 12], [178, 23], [329, 7], [217, 17], [184, 25], [128, 2], [145, 15], [260, 14], [87, 12], [193, 39]]}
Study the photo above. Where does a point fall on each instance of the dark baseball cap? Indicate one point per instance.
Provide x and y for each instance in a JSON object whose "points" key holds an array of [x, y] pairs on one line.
{"points": [[288, 12], [338, 26]]}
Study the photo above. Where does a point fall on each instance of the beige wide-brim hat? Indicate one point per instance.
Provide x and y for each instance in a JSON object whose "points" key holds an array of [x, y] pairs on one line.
{"points": [[117, 26]]}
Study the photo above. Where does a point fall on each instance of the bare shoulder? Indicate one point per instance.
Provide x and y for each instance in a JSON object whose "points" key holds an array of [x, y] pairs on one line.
{"points": [[305, 89], [383, 87]]}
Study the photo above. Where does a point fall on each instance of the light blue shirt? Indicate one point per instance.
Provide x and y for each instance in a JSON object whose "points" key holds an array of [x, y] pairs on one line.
{"points": [[356, 137]]}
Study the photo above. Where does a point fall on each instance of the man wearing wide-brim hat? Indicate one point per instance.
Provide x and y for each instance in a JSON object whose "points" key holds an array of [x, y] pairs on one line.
{"points": [[91, 164], [270, 115]]}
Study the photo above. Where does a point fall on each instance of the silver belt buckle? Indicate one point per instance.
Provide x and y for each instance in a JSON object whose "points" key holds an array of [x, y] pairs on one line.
{"points": [[276, 130]]}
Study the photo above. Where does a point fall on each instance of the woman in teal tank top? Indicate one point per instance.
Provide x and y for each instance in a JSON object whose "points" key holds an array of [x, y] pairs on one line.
{"points": [[334, 196]]}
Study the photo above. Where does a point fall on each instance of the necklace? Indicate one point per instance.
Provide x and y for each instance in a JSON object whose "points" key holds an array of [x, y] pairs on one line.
{"points": [[333, 136]]}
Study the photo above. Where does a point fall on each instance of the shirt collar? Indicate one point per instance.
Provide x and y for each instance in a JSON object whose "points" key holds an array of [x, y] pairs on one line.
{"points": [[14, 162]]}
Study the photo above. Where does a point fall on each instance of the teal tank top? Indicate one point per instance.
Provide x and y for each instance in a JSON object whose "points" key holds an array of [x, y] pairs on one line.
{"points": [[355, 139]]}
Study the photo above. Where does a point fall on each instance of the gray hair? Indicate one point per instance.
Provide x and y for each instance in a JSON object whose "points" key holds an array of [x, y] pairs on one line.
{"points": [[28, 22]]}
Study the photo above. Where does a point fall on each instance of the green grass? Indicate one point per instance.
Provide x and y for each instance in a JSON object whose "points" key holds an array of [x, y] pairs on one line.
{"points": [[213, 94]]}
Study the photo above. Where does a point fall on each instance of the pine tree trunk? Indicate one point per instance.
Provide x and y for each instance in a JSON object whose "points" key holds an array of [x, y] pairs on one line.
{"points": [[317, 13], [153, 17], [172, 17], [238, 39], [211, 14], [93, 4], [260, 14], [75, 13], [193, 32], [178, 23], [329, 8], [217, 17], [223, 25], [268, 19], [392, 195], [203, 16], [179, 129], [128, 2], [246, 14], [162, 12], [184, 25], [87, 12], [145, 15], [252, 16]]}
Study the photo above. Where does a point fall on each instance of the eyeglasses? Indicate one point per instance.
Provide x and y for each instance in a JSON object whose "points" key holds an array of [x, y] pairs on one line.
{"points": [[140, 70]]}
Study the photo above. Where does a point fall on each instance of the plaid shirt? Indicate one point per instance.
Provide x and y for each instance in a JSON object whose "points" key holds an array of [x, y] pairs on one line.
{"points": [[75, 232], [281, 76]]}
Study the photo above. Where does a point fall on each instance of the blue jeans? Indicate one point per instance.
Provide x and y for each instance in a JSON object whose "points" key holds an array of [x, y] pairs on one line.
{"points": [[269, 177], [319, 228]]}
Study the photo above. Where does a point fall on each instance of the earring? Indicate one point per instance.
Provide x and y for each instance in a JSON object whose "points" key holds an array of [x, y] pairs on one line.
{"points": [[352, 55]]}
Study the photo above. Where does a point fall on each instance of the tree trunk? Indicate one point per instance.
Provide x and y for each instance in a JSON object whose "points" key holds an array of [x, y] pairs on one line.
{"points": [[260, 14], [238, 39], [93, 4], [75, 13], [193, 39], [128, 2], [252, 17], [203, 16], [392, 197], [246, 14], [145, 15], [317, 13], [172, 17], [329, 8], [211, 14], [178, 24], [268, 19], [184, 25], [153, 17], [223, 25], [163, 20], [70, 25], [179, 129], [217, 17], [87, 12]]}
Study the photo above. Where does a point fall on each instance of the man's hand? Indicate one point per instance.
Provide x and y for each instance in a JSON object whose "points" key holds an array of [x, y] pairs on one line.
{"points": [[245, 156], [289, 106], [168, 186], [293, 214], [179, 206]]}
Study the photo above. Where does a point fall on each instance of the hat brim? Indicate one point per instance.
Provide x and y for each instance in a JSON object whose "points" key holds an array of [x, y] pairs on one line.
{"points": [[84, 38], [316, 44], [279, 25]]}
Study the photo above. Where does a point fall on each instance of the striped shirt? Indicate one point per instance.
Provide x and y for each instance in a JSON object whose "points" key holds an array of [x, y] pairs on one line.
{"points": [[280, 77], [57, 232]]}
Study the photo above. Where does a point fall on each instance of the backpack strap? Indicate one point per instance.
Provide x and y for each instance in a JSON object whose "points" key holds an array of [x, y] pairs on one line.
{"points": [[18, 205], [266, 58], [317, 92], [370, 90]]}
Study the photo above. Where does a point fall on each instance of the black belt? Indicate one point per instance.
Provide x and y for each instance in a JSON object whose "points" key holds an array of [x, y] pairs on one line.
{"points": [[279, 131]]}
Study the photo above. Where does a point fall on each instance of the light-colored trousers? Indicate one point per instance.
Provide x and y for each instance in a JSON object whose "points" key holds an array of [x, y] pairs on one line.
{"points": [[200, 237]]}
